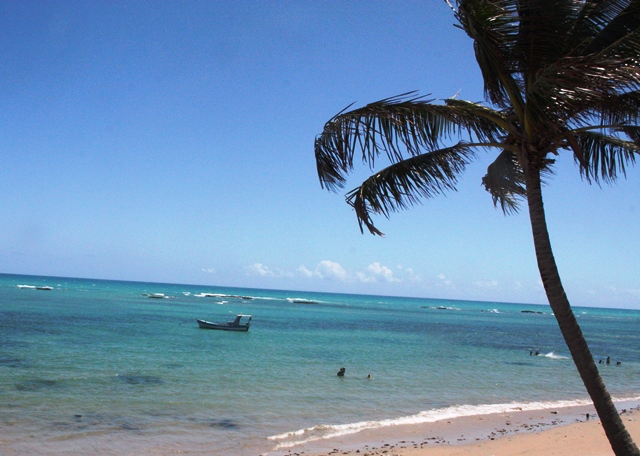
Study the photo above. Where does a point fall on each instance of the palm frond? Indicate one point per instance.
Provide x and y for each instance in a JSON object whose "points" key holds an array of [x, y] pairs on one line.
{"points": [[397, 127], [404, 183], [633, 133], [598, 61], [544, 33], [494, 28], [483, 124], [570, 53], [623, 109], [604, 157], [579, 88], [505, 182], [559, 74], [612, 25]]}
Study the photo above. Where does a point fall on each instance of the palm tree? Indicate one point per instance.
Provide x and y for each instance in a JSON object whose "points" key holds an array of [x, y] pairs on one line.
{"points": [[560, 76]]}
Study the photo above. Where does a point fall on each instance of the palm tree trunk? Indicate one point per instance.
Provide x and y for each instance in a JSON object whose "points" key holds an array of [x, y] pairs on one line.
{"points": [[619, 438]]}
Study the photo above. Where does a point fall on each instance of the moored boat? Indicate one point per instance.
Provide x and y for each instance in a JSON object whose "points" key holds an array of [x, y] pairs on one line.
{"points": [[235, 325]]}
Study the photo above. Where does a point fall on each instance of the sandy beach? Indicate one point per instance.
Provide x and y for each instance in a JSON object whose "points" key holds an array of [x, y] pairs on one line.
{"points": [[566, 432]]}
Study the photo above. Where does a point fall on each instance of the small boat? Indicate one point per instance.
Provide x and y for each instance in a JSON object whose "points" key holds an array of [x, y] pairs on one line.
{"points": [[234, 325], [301, 301], [157, 296]]}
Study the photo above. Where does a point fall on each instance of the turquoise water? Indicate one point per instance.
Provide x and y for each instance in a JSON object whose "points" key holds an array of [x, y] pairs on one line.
{"points": [[94, 365]]}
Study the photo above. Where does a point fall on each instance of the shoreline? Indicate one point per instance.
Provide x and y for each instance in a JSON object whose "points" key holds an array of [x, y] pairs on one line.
{"points": [[563, 430]]}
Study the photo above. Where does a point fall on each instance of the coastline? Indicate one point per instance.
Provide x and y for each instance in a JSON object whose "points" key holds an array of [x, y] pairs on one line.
{"points": [[562, 431], [166, 387]]}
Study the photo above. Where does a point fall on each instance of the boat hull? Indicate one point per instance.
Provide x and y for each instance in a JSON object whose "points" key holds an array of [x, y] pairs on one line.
{"points": [[222, 327]]}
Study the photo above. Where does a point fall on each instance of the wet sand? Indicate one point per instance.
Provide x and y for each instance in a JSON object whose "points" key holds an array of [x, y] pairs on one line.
{"points": [[566, 432]]}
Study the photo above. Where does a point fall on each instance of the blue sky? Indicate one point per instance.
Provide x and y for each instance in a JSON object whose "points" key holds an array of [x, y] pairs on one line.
{"points": [[173, 142]]}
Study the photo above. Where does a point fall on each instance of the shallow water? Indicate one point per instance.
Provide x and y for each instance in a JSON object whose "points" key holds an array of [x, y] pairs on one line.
{"points": [[98, 365]]}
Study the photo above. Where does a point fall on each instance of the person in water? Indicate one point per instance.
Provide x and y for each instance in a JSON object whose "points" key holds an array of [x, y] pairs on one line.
{"points": [[341, 372]]}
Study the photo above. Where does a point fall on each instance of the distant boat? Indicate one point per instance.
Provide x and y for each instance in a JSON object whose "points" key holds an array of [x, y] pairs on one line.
{"points": [[234, 325], [157, 295], [301, 301], [221, 295], [44, 288]]}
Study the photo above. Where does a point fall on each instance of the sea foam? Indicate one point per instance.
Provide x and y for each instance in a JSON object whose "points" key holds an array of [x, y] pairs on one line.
{"points": [[328, 431]]}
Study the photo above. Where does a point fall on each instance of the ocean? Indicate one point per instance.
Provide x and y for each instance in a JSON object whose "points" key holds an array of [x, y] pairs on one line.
{"points": [[98, 366]]}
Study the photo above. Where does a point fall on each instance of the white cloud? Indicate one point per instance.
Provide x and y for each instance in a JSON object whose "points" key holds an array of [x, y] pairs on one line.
{"points": [[382, 273], [330, 270], [443, 278], [266, 271], [209, 270], [325, 270], [305, 272], [364, 278], [260, 269], [409, 275]]}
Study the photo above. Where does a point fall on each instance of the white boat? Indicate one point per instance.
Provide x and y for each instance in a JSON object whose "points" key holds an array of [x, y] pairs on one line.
{"points": [[234, 325]]}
